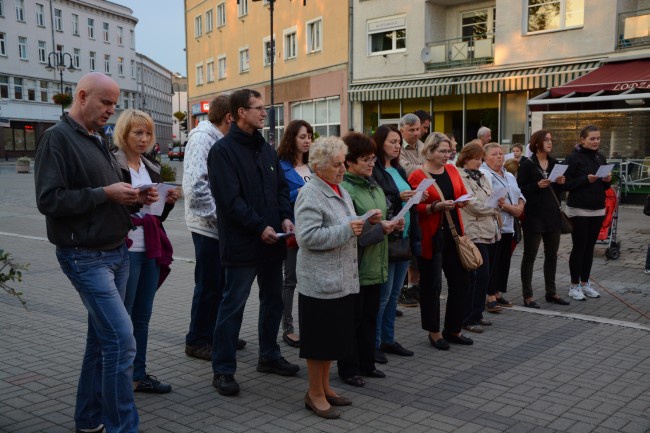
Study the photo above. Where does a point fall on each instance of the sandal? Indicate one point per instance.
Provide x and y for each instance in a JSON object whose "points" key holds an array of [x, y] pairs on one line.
{"points": [[493, 307], [354, 381]]}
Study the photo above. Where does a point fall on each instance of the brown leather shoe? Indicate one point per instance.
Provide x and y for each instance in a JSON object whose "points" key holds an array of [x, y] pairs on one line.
{"points": [[330, 413], [338, 400]]}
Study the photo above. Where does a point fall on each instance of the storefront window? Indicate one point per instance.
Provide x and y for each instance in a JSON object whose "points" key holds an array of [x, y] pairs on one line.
{"points": [[389, 110], [279, 125], [482, 110], [324, 115], [412, 105], [370, 117], [9, 139]]}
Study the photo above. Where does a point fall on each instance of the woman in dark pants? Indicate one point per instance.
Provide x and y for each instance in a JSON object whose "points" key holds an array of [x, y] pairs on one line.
{"points": [[542, 217], [438, 246], [585, 208]]}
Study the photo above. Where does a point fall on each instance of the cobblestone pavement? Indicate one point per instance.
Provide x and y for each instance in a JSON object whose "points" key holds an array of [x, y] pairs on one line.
{"points": [[581, 368]]}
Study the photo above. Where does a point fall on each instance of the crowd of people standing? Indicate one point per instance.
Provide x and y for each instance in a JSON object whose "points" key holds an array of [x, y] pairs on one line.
{"points": [[324, 216]]}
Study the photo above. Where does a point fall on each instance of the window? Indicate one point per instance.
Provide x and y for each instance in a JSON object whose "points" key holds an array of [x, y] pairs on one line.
{"points": [[210, 71], [387, 35], [106, 35], [290, 45], [91, 58], [221, 65], [31, 90], [40, 15], [20, 11], [120, 36], [58, 20], [132, 68], [75, 24], [209, 21], [2, 9], [4, 87], [18, 88], [3, 45], [314, 35], [199, 75], [279, 124], [198, 26], [41, 51], [91, 28], [22, 47], [221, 14], [44, 91], [268, 54], [132, 38], [76, 58], [548, 15], [244, 60], [107, 63], [243, 8], [323, 114], [120, 66]]}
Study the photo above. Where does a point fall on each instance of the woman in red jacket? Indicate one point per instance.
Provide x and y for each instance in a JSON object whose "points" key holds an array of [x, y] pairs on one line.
{"points": [[438, 246]]}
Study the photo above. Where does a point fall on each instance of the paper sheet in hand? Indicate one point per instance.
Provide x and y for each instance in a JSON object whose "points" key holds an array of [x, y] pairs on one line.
{"points": [[282, 235], [557, 171], [412, 201], [508, 156], [158, 207], [426, 183], [462, 198], [493, 200], [145, 187], [605, 170], [365, 216]]}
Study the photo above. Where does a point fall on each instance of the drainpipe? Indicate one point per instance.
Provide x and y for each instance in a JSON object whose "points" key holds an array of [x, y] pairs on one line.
{"points": [[350, 57]]}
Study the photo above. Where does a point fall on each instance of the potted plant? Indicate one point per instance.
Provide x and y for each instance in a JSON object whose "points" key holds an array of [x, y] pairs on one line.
{"points": [[10, 271], [63, 99], [22, 164]]}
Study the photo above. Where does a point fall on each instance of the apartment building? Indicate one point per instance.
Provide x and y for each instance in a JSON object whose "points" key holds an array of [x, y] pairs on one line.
{"points": [[229, 47], [155, 93], [479, 63]]}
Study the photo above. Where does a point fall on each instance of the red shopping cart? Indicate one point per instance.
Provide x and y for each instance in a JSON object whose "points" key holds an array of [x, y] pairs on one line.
{"points": [[608, 230]]}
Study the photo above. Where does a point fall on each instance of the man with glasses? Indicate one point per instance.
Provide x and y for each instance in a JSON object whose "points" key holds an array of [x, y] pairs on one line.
{"points": [[253, 208]]}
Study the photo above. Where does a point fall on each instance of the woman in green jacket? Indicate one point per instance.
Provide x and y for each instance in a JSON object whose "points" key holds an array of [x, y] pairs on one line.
{"points": [[367, 196]]}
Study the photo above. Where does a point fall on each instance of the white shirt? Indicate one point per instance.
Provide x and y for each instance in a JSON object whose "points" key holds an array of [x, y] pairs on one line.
{"points": [[140, 177]]}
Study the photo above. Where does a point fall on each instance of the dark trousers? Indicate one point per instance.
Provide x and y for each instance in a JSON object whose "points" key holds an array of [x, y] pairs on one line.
{"points": [[445, 258], [479, 285], [531, 246], [584, 237], [288, 289], [208, 289], [501, 266], [362, 359]]}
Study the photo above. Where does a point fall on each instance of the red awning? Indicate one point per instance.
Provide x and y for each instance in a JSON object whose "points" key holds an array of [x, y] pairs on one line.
{"points": [[615, 77]]}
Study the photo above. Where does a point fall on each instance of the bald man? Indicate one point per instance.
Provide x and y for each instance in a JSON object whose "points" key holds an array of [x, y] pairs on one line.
{"points": [[80, 191]]}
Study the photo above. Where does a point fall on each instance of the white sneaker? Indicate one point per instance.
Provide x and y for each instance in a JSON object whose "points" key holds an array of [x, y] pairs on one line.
{"points": [[587, 290], [647, 272], [576, 293]]}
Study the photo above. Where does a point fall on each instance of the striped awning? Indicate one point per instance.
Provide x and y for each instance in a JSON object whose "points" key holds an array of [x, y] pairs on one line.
{"points": [[522, 79], [401, 89], [488, 82]]}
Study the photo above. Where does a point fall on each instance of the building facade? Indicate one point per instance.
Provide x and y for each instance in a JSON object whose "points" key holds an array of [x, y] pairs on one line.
{"points": [[95, 35], [229, 48], [179, 103], [478, 63], [155, 93]]}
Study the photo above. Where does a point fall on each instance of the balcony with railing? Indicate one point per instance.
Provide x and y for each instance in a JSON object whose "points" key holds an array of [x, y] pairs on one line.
{"points": [[633, 29], [458, 52]]}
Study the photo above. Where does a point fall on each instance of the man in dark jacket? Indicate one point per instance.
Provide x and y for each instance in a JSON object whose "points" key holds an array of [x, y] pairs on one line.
{"points": [[252, 198], [80, 191]]}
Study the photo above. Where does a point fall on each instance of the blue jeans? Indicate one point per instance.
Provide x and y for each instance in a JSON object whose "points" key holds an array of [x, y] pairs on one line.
{"points": [[141, 288], [231, 312], [105, 390], [388, 294], [208, 288]]}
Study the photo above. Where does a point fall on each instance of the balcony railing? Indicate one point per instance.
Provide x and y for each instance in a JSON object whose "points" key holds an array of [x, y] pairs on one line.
{"points": [[462, 51], [633, 29]]}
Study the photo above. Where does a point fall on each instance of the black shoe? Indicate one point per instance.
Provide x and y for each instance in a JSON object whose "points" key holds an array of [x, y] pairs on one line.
{"points": [[354, 381], [380, 357], [225, 384], [241, 344], [199, 351], [406, 301], [150, 384], [398, 313], [289, 341], [98, 429], [440, 344], [457, 339], [374, 373], [504, 302], [278, 366], [531, 304], [555, 299], [395, 348]]}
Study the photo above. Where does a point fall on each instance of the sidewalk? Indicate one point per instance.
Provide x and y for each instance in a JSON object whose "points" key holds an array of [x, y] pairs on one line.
{"points": [[581, 368]]}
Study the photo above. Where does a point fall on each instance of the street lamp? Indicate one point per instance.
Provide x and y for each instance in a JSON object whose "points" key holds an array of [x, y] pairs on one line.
{"points": [[177, 90], [59, 64]]}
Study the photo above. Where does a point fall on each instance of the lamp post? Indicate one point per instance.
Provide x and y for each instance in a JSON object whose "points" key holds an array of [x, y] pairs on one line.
{"points": [[177, 90], [271, 57], [59, 64]]}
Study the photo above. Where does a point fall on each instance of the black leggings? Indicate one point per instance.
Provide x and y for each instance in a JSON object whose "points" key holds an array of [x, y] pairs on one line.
{"points": [[584, 236]]}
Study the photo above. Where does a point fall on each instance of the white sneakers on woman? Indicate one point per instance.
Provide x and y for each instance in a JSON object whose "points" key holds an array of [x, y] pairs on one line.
{"points": [[579, 292]]}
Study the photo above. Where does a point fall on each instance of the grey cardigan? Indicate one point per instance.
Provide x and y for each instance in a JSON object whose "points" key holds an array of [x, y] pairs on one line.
{"points": [[327, 266]]}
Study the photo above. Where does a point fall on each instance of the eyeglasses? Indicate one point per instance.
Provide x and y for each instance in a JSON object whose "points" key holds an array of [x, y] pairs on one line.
{"points": [[443, 151], [548, 139], [369, 159], [261, 108]]}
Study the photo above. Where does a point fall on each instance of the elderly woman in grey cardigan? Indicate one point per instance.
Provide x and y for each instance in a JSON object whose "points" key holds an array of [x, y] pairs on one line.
{"points": [[326, 232]]}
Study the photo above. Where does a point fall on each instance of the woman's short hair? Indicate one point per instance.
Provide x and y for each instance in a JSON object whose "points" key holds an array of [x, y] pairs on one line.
{"points": [[584, 132], [287, 148], [537, 140], [324, 149], [512, 165], [379, 137], [433, 142], [471, 151], [128, 120], [358, 145]]}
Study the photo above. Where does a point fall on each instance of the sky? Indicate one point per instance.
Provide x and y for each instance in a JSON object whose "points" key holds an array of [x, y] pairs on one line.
{"points": [[160, 32]]}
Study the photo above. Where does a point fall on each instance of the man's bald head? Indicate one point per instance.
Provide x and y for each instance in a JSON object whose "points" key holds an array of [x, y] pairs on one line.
{"points": [[95, 100]]}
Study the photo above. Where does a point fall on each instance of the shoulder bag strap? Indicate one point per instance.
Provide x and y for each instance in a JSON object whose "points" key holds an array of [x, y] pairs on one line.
{"points": [[450, 221]]}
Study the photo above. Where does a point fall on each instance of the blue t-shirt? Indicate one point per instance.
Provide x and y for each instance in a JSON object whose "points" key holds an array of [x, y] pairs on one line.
{"points": [[402, 185]]}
